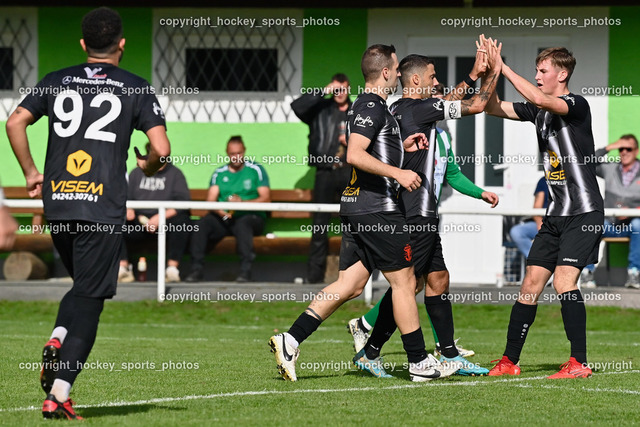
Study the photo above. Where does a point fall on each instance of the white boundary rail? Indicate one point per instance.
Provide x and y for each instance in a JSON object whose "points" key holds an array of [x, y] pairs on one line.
{"points": [[162, 207]]}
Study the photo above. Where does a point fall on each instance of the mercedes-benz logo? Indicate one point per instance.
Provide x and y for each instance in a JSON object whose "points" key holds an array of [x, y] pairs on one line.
{"points": [[66, 80]]}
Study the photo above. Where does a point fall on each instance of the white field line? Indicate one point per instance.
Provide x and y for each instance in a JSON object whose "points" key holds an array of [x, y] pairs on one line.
{"points": [[337, 390], [14, 336], [596, 390]]}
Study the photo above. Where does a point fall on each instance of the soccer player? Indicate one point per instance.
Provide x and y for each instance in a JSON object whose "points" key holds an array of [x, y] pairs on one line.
{"points": [[373, 235], [563, 245], [92, 109], [417, 111]]}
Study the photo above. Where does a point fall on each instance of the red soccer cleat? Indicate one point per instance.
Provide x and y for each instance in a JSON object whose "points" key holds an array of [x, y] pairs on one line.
{"points": [[504, 367], [50, 361], [572, 369], [54, 409]]}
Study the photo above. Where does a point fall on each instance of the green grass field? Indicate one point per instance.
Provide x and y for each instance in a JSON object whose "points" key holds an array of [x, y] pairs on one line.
{"points": [[218, 369]]}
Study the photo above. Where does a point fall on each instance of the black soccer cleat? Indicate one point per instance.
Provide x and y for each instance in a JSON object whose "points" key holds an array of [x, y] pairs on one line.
{"points": [[50, 362], [51, 408]]}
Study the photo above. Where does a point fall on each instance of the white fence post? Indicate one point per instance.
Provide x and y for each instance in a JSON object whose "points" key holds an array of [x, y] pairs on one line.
{"points": [[162, 250]]}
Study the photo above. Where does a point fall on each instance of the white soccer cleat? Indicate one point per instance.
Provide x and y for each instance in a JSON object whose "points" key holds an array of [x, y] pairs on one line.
{"points": [[286, 356], [172, 274], [463, 351], [360, 337], [425, 370], [431, 369], [125, 275]]}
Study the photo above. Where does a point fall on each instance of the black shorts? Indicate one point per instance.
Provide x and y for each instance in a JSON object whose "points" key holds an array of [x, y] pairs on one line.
{"points": [[90, 252], [567, 240], [426, 245], [379, 240]]}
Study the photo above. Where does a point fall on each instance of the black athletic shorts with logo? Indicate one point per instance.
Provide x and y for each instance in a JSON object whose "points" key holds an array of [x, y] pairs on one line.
{"points": [[567, 240], [91, 255], [426, 245], [379, 240]]}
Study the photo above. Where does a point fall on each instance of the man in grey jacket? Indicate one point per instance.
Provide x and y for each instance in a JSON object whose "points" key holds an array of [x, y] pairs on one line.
{"points": [[326, 115], [622, 181]]}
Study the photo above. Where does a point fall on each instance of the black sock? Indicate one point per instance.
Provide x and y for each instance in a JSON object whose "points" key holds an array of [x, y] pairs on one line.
{"points": [[385, 327], [66, 311], [304, 326], [522, 316], [439, 311], [80, 338], [574, 317], [413, 343]]}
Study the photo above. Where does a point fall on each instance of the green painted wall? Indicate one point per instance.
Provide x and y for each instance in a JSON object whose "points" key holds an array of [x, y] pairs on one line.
{"points": [[624, 51], [332, 49], [59, 45], [279, 147]]}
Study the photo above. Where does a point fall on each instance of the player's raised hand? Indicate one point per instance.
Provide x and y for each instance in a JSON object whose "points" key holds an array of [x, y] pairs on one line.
{"points": [[415, 142], [491, 198], [480, 65], [408, 179], [494, 58]]}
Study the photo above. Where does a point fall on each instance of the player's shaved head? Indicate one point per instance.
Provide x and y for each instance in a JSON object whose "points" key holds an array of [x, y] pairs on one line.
{"points": [[102, 31], [559, 57], [413, 64], [375, 59]]}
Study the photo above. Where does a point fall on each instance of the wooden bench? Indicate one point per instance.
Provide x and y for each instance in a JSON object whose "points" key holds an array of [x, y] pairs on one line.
{"points": [[40, 243], [283, 196]]}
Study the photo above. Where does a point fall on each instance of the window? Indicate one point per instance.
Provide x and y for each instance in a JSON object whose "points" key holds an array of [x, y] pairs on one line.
{"points": [[233, 70], [6, 68], [227, 73], [18, 54]]}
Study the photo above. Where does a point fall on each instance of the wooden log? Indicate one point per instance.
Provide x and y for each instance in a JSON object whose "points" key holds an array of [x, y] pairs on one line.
{"points": [[24, 266]]}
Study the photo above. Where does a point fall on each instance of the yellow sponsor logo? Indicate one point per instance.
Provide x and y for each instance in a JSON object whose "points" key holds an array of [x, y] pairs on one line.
{"points": [[351, 191], [78, 163], [553, 158], [555, 176], [354, 176], [75, 186]]}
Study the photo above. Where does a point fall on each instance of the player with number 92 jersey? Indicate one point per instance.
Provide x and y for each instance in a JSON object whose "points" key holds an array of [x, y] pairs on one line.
{"points": [[93, 110]]}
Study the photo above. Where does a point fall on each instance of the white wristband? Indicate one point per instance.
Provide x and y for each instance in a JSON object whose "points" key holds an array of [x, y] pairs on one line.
{"points": [[452, 110]]}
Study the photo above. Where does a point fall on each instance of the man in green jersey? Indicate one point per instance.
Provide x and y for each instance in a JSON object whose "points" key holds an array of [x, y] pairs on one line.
{"points": [[240, 180]]}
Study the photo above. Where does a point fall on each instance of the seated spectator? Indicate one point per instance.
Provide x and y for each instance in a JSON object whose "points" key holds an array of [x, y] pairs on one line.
{"points": [[238, 181], [622, 190], [524, 233], [168, 183]]}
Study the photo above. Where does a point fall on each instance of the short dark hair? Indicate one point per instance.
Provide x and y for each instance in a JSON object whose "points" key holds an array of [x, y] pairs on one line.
{"points": [[374, 59], [340, 78], [412, 64], [630, 136], [236, 139], [560, 57], [102, 30]]}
